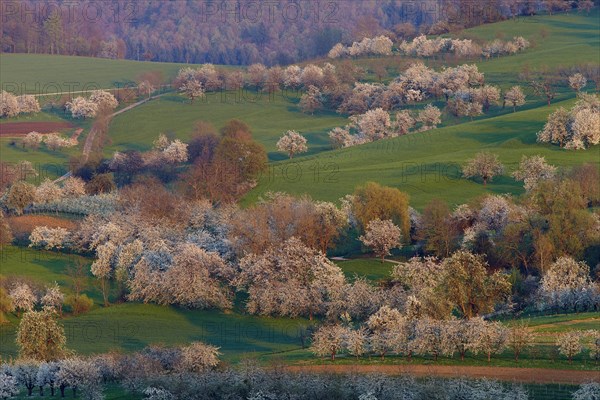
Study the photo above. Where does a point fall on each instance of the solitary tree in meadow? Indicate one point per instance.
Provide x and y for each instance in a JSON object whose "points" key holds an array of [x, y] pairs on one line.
{"points": [[485, 165], [292, 143]]}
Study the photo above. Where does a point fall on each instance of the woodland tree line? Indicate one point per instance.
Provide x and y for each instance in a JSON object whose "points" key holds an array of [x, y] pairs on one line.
{"points": [[194, 32]]}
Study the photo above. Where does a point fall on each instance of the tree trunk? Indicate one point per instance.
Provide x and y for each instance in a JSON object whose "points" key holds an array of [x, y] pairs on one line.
{"points": [[489, 354], [104, 292], [62, 390]]}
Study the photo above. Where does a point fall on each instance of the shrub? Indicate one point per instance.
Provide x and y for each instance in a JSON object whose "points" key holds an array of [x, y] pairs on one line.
{"points": [[79, 304]]}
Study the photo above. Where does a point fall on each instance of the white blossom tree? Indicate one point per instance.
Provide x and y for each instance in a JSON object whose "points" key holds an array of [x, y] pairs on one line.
{"points": [[381, 237], [586, 129], [55, 141], [154, 393], [289, 279], [329, 340], [292, 143], [292, 76], [9, 107], [356, 342], [533, 170], [577, 82], [569, 344], [47, 192], [576, 129], [32, 140], [26, 373], [48, 238], [489, 338], [520, 337], [404, 122], [145, 88], [193, 279], [198, 357], [461, 336], [485, 165], [257, 75], [53, 299], [73, 187], [337, 51], [23, 298], [430, 117], [46, 376], [192, 89], [555, 130], [431, 338], [312, 75], [374, 124], [104, 100], [175, 152], [567, 285], [80, 107], [9, 386], [587, 391], [388, 332], [79, 373], [340, 137], [28, 104], [312, 100], [515, 97], [102, 267]]}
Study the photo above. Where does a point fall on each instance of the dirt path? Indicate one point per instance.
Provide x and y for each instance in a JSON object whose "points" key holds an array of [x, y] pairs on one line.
{"points": [[89, 140], [523, 375]]}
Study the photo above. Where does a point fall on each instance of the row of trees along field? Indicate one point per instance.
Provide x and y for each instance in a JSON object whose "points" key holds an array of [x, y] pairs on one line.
{"points": [[194, 372]]}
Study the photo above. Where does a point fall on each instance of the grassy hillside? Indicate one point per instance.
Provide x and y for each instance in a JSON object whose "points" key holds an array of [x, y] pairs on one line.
{"points": [[269, 118], [42, 73], [425, 165]]}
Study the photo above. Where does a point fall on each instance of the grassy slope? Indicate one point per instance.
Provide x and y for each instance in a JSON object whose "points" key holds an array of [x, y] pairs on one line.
{"points": [[40, 73], [425, 165], [269, 118]]}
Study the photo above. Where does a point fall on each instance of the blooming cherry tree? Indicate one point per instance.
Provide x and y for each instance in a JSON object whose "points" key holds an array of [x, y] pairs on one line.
{"points": [[485, 165], [80, 107], [104, 100], [569, 344], [292, 143], [577, 82], [515, 97], [533, 170], [329, 340], [382, 236]]}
